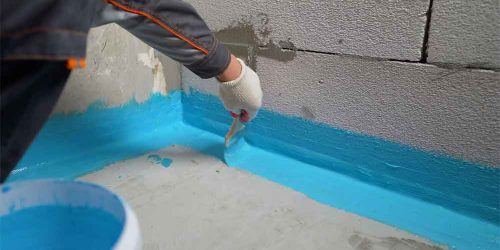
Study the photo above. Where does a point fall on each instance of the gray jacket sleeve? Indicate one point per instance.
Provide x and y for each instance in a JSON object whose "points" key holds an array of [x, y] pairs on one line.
{"points": [[172, 27]]}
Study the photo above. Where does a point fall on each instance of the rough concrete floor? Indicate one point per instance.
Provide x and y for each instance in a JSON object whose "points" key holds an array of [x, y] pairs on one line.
{"points": [[199, 203]]}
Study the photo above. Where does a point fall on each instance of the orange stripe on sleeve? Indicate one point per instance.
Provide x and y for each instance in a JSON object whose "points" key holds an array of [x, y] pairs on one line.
{"points": [[82, 63], [157, 21], [73, 63]]}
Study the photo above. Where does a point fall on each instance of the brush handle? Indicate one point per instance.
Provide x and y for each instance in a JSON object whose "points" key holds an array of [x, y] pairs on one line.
{"points": [[232, 130]]}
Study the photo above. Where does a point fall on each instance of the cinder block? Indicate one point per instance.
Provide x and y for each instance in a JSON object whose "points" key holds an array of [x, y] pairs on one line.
{"points": [[454, 112], [448, 111], [465, 32], [116, 72], [386, 29]]}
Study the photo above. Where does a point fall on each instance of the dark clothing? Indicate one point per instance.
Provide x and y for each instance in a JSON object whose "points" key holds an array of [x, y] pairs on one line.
{"points": [[30, 90], [57, 30], [37, 37], [45, 30]]}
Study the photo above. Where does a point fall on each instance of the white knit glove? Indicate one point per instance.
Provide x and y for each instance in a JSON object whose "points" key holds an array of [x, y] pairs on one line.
{"points": [[242, 95]]}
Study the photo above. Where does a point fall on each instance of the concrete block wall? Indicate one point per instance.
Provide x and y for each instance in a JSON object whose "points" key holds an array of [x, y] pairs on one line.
{"points": [[465, 33], [120, 68], [363, 28], [385, 68]]}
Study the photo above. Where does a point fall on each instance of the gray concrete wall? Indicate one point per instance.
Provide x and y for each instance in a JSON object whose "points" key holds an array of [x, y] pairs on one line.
{"points": [[465, 33], [364, 66], [119, 68], [363, 28]]}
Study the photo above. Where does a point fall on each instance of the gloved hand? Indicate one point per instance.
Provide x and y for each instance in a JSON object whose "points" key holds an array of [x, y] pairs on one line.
{"points": [[242, 96]]}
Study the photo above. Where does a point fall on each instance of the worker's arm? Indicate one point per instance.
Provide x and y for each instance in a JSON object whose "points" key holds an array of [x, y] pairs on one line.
{"points": [[174, 28]]}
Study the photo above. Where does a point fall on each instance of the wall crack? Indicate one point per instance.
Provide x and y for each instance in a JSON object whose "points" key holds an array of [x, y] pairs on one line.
{"points": [[384, 59], [425, 43]]}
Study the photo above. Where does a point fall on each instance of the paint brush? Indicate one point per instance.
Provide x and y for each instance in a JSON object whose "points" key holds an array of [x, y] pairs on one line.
{"points": [[233, 141], [236, 126]]}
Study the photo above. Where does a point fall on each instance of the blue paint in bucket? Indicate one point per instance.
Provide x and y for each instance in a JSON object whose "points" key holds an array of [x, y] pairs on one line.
{"points": [[59, 227], [56, 214]]}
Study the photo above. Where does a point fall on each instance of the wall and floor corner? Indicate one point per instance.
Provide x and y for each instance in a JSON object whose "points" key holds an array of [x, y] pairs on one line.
{"points": [[356, 82], [371, 68], [418, 97]]}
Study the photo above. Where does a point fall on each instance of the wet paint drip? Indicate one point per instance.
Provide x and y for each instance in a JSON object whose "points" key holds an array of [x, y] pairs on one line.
{"points": [[446, 200], [156, 159], [59, 227]]}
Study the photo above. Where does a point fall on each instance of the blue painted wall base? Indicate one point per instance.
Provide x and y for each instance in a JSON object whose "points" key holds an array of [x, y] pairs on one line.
{"points": [[449, 201]]}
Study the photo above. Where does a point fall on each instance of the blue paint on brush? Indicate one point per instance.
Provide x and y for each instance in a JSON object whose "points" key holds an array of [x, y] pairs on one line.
{"points": [[446, 200], [156, 159], [59, 227]]}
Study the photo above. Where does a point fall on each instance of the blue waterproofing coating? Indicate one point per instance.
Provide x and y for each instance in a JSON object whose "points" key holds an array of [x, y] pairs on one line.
{"points": [[446, 200]]}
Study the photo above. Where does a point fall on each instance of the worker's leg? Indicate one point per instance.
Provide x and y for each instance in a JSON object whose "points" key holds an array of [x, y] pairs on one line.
{"points": [[29, 91]]}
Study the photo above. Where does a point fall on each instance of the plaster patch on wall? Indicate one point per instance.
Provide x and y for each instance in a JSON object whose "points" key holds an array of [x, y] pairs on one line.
{"points": [[248, 41], [284, 51], [151, 61]]}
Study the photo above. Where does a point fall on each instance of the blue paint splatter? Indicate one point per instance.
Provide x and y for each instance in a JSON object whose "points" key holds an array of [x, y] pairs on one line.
{"points": [[166, 162], [156, 159], [5, 189], [446, 200]]}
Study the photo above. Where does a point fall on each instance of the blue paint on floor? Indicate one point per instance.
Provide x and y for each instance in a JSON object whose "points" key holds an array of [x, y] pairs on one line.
{"points": [[156, 159], [446, 200]]}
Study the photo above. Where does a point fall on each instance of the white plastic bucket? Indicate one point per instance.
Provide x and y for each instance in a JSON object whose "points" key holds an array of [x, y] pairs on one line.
{"points": [[47, 214]]}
